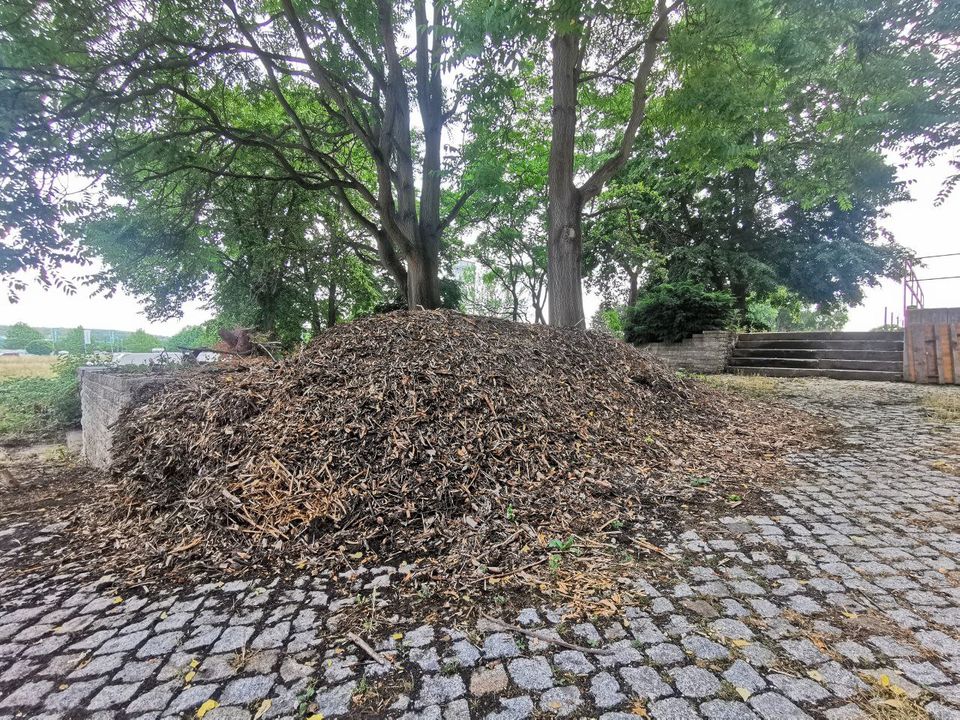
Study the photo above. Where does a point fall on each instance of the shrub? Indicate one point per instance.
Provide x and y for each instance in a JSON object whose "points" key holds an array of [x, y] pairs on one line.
{"points": [[608, 320], [40, 407], [673, 311], [761, 316], [39, 347]]}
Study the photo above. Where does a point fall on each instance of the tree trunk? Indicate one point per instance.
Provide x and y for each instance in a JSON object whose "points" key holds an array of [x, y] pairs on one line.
{"points": [[539, 319], [566, 201], [564, 212], [268, 320], [316, 325], [634, 289], [331, 302], [740, 290], [744, 221], [423, 278], [423, 283], [564, 291]]}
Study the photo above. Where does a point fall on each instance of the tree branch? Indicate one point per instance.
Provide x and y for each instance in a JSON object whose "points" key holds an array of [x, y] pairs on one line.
{"points": [[658, 33]]}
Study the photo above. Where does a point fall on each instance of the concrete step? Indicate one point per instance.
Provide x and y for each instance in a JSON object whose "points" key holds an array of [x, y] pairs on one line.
{"points": [[814, 354], [817, 372], [763, 360], [822, 363], [745, 342], [824, 335]]}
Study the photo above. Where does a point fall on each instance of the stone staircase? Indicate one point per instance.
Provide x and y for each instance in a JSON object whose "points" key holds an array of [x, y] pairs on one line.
{"points": [[841, 355]]}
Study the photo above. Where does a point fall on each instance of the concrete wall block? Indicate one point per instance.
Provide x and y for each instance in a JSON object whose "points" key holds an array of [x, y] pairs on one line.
{"points": [[104, 394], [706, 352]]}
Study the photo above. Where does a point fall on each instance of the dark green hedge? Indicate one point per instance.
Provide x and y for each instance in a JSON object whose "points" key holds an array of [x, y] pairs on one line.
{"points": [[673, 311]]}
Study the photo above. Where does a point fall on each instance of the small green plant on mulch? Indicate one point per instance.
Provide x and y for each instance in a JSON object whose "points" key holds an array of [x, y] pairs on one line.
{"points": [[38, 407]]}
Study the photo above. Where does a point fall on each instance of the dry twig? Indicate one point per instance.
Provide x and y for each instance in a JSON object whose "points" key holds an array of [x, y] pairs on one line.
{"points": [[546, 638]]}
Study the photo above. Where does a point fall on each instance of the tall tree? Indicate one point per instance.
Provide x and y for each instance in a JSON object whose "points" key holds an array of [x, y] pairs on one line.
{"points": [[73, 341], [857, 74], [139, 341], [324, 90], [763, 165], [267, 255], [582, 33], [19, 335]]}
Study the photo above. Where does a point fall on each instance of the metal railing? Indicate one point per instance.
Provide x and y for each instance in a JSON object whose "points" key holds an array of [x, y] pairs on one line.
{"points": [[912, 289], [912, 292]]}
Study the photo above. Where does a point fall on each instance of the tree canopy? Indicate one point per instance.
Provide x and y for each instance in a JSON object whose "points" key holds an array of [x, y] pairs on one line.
{"points": [[292, 163], [19, 335], [139, 341]]}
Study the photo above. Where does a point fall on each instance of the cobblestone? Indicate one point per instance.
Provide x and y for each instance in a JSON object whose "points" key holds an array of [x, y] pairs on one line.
{"points": [[488, 680], [606, 690], [645, 682], [695, 682], [561, 701], [531, 673]]}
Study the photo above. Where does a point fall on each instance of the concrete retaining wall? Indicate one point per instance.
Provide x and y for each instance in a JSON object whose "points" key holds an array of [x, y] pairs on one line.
{"points": [[104, 393], [932, 316], [706, 352]]}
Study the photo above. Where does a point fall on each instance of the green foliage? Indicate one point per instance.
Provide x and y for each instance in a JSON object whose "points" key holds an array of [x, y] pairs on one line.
{"points": [[785, 311], [39, 347], [140, 341], [505, 218], [762, 163], [667, 220], [760, 316], [274, 258], [19, 335], [255, 179], [451, 294], [73, 342], [194, 336], [41, 407], [671, 312], [608, 320], [172, 101], [561, 545]]}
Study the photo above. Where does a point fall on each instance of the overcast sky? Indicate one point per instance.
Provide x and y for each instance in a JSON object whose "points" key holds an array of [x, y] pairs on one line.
{"points": [[927, 230], [918, 225]]}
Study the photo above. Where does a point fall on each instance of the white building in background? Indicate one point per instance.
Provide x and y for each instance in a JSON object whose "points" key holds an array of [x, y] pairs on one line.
{"points": [[161, 357]]}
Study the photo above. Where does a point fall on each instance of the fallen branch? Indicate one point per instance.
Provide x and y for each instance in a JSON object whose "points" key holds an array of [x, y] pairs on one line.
{"points": [[508, 573], [362, 644], [647, 545], [546, 638]]}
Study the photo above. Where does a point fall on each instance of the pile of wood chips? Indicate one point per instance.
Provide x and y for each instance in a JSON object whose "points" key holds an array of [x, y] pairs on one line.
{"points": [[485, 452]]}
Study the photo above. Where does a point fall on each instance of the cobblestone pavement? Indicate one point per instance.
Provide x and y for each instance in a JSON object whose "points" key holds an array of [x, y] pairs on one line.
{"points": [[846, 593]]}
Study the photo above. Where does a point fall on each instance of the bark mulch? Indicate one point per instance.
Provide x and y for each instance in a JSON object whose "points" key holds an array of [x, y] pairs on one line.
{"points": [[486, 454]]}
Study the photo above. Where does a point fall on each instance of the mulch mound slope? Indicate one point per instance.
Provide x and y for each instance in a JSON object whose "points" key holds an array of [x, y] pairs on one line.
{"points": [[479, 449]]}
